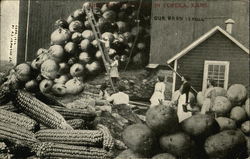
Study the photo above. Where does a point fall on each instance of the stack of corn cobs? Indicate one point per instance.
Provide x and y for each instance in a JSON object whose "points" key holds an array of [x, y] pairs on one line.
{"points": [[50, 131]]}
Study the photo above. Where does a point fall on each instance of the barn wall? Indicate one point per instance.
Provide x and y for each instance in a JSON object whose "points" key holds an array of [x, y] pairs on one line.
{"points": [[172, 34], [42, 16], [37, 18], [217, 48]]}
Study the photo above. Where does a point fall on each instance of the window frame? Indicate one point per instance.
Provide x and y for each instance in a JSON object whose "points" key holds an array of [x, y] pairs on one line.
{"points": [[205, 72]]}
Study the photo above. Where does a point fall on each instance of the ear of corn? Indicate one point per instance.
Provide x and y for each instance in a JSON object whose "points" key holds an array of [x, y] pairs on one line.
{"points": [[17, 119], [71, 137], [108, 141], [77, 123], [119, 145], [54, 150], [9, 107], [45, 98], [16, 134], [39, 111], [74, 123], [68, 113], [4, 94]]}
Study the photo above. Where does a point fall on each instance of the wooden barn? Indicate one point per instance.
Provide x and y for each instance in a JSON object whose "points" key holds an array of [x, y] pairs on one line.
{"points": [[216, 54]]}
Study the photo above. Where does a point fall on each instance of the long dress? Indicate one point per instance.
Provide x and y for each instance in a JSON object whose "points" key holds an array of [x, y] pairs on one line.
{"points": [[183, 99], [114, 69], [158, 94], [182, 115]]}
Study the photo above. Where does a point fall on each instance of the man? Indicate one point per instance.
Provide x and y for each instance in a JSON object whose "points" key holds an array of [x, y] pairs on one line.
{"points": [[120, 97]]}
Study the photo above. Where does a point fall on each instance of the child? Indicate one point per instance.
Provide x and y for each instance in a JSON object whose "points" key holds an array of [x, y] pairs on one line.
{"points": [[120, 97], [103, 91], [114, 74], [159, 91]]}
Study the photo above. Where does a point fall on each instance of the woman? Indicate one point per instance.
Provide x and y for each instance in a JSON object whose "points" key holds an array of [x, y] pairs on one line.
{"points": [[209, 93], [210, 87], [159, 90], [114, 74], [183, 100]]}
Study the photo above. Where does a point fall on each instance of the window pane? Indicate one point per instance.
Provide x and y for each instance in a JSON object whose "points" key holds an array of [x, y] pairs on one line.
{"points": [[216, 68], [210, 68], [222, 68]]}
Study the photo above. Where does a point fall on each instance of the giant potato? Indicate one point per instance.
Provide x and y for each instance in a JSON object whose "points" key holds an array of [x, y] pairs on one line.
{"points": [[162, 119], [164, 156], [238, 114], [226, 123], [221, 106], [245, 127], [128, 154], [237, 94], [247, 108], [178, 144], [200, 126], [226, 144], [139, 138]]}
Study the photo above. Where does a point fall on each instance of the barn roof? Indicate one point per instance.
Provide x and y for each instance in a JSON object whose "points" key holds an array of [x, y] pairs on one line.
{"points": [[203, 38]]}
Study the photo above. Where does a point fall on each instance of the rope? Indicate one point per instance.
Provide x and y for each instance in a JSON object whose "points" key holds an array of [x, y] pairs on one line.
{"points": [[133, 46], [180, 77]]}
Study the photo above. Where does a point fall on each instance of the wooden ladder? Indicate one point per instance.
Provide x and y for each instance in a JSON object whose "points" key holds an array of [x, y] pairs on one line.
{"points": [[98, 37]]}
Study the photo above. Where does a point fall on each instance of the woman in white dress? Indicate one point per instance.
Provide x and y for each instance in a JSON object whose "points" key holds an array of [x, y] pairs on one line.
{"points": [[114, 74], [183, 109], [210, 94], [159, 91]]}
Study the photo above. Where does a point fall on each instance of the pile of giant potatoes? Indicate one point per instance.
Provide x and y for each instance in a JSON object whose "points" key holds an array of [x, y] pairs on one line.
{"points": [[222, 134]]}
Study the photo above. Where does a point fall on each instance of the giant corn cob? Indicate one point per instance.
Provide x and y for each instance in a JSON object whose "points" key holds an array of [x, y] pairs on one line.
{"points": [[54, 150], [4, 94], [39, 111], [71, 137], [77, 123], [108, 141], [68, 113], [12, 83], [9, 107], [46, 98], [16, 134], [74, 123], [19, 120]]}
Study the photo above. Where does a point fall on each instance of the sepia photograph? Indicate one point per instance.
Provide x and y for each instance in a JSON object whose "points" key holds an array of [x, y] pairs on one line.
{"points": [[124, 79]]}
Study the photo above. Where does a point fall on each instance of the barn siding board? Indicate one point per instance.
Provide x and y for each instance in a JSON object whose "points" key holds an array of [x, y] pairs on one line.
{"points": [[192, 63], [23, 13]]}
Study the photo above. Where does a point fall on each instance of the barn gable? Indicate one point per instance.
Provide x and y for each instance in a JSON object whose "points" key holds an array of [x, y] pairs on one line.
{"points": [[216, 46]]}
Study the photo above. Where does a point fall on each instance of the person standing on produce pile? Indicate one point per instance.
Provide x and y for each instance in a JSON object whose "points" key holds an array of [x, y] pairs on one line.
{"points": [[158, 95], [120, 97], [183, 103], [103, 94], [210, 87], [114, 74], [209, 93]]}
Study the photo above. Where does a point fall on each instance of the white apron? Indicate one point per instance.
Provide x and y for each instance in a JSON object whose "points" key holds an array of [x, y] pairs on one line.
{"points": [[180, 113], [158, 94], [114, 69]]}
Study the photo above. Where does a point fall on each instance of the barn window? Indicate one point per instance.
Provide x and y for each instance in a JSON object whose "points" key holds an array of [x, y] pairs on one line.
{"points": [[218, 71]]}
